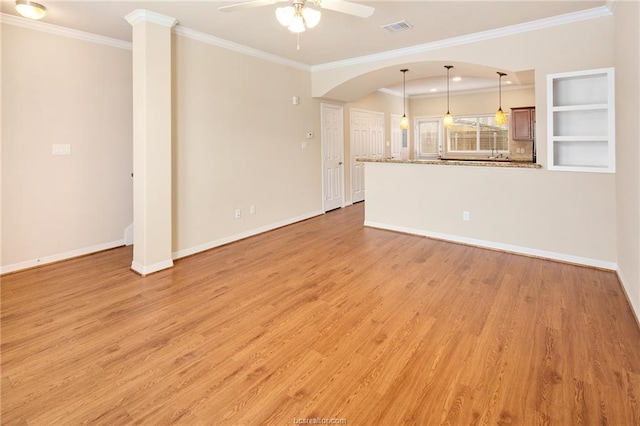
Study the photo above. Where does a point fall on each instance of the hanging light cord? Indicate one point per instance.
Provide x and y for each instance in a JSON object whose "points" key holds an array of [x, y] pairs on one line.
{"points": [[448, 67], [501, 74], [404, 91]]}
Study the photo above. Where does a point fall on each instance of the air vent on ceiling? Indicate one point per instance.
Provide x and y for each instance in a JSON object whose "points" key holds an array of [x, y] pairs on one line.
{"points": [[397, 26]]}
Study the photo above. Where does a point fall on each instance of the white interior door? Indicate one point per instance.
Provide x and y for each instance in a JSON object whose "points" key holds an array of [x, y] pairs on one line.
{"points": [[332, 134], [367, 140]]}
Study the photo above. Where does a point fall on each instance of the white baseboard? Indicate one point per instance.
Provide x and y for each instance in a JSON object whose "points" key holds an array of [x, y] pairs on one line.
{"points": [[634, 307], [499, 246], [146, 270], [60, 256], [226, 240]]}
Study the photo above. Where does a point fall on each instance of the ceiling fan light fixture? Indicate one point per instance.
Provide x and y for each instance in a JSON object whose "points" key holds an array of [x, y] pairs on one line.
{"points": [[297, 24], [298, 17], [285, 15], [30, 9], [311, 16]]}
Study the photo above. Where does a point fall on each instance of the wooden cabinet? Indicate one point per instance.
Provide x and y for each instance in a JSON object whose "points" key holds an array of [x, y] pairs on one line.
{"points": [[581, 121], [523, 123]]}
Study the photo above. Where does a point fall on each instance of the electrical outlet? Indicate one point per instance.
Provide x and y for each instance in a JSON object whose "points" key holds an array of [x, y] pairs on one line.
{"points": [[465, 216], [238, 213], [252, 209]]}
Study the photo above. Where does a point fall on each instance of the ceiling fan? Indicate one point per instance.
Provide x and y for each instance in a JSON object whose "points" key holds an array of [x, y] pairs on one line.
{"points": [[298, 16]]}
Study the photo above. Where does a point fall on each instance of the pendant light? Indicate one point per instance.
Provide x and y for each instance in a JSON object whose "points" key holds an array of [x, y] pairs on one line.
{"points": [[448, 118], [30, 9], [404, 122], [501, 118]]}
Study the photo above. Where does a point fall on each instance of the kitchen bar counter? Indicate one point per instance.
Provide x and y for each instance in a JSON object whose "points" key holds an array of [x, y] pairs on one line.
{"points": [[477, 163]]}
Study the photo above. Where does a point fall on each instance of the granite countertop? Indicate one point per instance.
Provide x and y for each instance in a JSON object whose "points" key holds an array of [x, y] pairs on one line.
{"points": [[480, 163]]}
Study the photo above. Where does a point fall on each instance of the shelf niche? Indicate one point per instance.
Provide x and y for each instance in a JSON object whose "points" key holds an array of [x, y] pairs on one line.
{"points": [[581, 120]]}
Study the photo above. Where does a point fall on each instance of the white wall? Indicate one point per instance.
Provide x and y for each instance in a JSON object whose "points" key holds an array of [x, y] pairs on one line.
{"points": [[627, 62], [237, 143], [60, 90]]}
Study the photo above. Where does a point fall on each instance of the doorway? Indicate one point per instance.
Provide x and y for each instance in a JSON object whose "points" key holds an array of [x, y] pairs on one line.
{"points": [[332, 135], [367, 141]]}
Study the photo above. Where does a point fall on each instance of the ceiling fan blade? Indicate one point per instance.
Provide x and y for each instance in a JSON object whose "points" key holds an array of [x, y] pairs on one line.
{"points": [[248, 5], [348, 7]]}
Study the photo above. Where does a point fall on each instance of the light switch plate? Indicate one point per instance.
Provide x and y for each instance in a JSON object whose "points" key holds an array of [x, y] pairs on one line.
{"points": [[61, 149]]}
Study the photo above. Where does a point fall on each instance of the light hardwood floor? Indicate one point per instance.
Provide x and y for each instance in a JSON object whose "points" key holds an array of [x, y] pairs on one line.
{"points": [[324, 318]]}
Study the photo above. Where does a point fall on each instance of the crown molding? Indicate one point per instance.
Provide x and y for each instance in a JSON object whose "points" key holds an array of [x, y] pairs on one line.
{"points": [[539, 24], [143, 15], [236, 47], [18, 21]]}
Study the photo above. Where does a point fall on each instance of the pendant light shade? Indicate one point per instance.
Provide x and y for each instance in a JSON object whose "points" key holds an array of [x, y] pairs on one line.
{"points": [[501, 118], [284, 15], [311, 16], [30, 9], [404, 121], [297, 24], [448, 118]]}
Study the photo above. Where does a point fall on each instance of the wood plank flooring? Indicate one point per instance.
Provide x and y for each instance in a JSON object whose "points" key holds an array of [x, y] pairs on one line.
{"points": [[321, 319]]}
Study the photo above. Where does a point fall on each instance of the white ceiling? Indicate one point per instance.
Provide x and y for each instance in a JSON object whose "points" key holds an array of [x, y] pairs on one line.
{"points": [[337, 37]]}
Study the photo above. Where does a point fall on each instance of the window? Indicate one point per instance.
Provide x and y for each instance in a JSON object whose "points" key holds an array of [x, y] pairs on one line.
{"points": [[477, 135], [428, 135]]}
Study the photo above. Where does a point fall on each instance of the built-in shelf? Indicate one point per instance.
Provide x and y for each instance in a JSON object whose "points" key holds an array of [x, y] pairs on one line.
{"points": [[581, 120], [579, 107]]}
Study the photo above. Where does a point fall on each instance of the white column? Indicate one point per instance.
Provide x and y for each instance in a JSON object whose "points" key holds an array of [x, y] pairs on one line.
{"points": [[152, 245]]}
